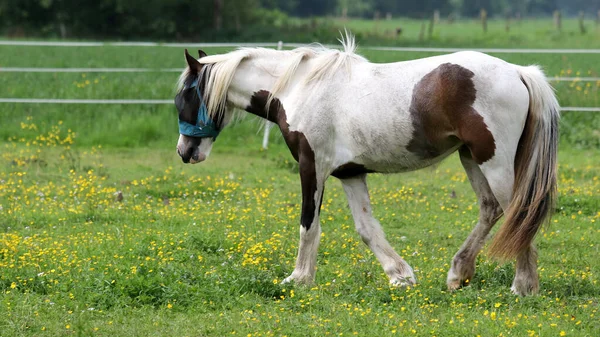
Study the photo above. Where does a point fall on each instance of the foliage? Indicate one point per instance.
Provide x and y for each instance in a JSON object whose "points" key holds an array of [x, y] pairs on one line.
{"points": [[126, 19], [239, 20]]}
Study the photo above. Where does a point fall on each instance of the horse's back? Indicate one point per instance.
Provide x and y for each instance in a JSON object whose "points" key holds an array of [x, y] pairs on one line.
{"points": [[407, 115]]}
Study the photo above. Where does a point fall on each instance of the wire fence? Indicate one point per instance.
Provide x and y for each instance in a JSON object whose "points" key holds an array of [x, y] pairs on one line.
{"points": [[179, 70], [170, 101], [278, 45]]}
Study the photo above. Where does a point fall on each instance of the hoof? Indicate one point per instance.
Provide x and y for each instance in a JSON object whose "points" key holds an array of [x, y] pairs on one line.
{"points": [[306, 279], [454, 284], [404, 281], [457, 280], [524, 289]]}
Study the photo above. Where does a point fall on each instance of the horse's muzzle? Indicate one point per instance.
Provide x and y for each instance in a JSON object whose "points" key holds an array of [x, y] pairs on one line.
{"points": [[192, 155]]}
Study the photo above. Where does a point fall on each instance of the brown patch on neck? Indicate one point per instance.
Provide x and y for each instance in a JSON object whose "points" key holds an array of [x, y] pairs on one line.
{"points": [[258, 106], [443, 115], [299, 147], [296, 141]]}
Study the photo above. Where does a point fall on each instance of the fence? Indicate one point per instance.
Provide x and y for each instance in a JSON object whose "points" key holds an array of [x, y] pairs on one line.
{"points": [[278, 45], [178, 70]]}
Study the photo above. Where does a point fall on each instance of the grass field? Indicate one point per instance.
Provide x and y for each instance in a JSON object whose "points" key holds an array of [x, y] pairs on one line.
{"points": [[104, 232], [529, 33]]}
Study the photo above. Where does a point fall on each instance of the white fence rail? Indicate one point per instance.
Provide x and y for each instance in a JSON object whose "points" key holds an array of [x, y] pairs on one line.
{"points": [[170, 101], [179, 70], [88, 70], [230, 45], [85, 101]]}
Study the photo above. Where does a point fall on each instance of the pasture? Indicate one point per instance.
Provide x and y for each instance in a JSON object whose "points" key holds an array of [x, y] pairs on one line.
{"points": [[522, 33], [105, 232]]}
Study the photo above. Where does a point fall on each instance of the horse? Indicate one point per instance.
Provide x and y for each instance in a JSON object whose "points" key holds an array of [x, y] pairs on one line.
{"points": [[345, 117]]}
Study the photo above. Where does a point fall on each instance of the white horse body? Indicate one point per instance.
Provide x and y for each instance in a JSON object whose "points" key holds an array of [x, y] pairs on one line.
{"points": [[371, 102], [369, 114], [341, 115]]}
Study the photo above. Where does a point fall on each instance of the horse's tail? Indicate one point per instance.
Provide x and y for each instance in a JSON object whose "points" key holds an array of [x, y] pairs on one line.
{"points": [[534, 189]]}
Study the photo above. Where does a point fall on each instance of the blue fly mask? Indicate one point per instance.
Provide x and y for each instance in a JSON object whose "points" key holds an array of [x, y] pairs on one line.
{"points": [[205, 127]]}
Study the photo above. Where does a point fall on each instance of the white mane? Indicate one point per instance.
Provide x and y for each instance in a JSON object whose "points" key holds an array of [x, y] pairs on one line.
{"points": [[220, 69]]}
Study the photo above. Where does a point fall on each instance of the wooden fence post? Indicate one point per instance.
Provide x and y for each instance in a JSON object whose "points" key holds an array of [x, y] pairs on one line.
{"points": [[422, 32], [557, 20], [376, 18], [483, 16], [581, 25], [431, 24]]}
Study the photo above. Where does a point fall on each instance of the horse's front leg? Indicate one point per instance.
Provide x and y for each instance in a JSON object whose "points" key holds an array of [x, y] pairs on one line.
{"points": [[310, 228]]}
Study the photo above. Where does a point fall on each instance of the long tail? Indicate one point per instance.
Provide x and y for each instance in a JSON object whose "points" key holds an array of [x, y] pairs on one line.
{"points": [[534, 189]]}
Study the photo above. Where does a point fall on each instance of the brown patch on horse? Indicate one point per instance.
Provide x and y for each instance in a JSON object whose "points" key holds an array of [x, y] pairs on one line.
{"points": [[299, 147], [443, 115]]}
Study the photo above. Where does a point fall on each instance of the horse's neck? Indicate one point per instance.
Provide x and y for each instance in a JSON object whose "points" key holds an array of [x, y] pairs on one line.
{"points": [[252, 76]]}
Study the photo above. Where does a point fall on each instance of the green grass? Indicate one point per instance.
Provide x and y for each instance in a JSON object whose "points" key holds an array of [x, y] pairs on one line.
{"points": [[529, 33], [200, 250]]}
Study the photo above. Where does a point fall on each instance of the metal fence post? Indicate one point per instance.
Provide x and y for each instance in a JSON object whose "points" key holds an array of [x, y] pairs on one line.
{"points": [[268, 124]]}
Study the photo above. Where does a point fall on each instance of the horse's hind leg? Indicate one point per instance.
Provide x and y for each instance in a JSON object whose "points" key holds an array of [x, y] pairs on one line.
{"points": [[493, 183], [526, 280], [370, 230], [463, 263], [499, 172]]}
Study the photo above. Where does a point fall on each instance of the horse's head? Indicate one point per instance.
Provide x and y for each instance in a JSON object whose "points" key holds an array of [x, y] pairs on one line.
{"points": [[197, 128]]}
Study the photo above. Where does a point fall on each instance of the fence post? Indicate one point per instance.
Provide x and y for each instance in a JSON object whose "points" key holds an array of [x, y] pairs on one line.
{"points": [[431, 24], [557, 20], [483, 16], [581, 25], [422, 32], [269, 125]]}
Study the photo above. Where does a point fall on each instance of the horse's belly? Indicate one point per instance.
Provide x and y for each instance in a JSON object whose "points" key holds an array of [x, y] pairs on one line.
{"points": [[400, 160]]}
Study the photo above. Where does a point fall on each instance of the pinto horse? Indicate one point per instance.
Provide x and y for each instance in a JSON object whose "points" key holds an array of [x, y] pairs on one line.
{"points": [[343, 116]]}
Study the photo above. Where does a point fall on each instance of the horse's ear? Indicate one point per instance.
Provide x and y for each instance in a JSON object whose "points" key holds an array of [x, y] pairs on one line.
{"points": [[194, 65], [201, 53]]}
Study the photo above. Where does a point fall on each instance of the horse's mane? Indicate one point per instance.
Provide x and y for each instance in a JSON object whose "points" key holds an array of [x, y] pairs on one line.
{"points": [[219, 70]]}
